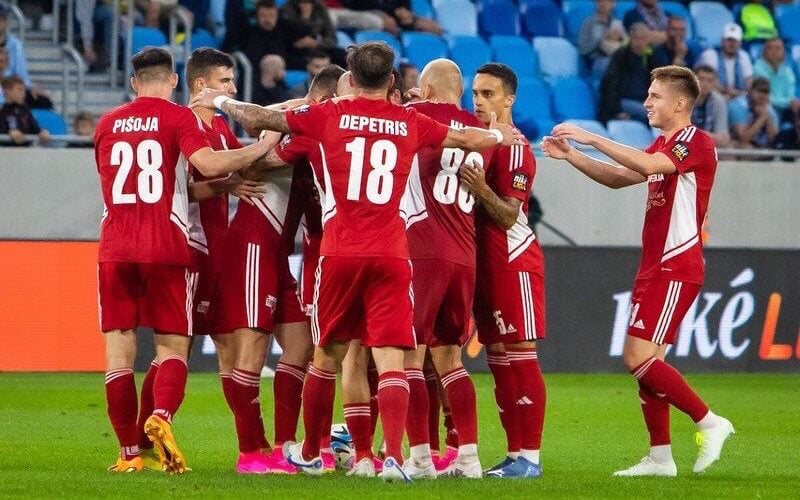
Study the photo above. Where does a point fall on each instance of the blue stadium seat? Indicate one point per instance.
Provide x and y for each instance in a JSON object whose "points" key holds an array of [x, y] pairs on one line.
{"points": [[50, 120], [543, 18], [381, 36], [573, 99], [295, 77], [343, 40], [499, 17], [422, 8], [622, 8], [466, 99], [457, 17], [709, 18], [630, 132], [592, 126], [202, 38], [557, 56], [532, 107], [144, 36], [788, 21], [422, 48], [469, 52], [575, 12], [755, 49], [517, 53]]}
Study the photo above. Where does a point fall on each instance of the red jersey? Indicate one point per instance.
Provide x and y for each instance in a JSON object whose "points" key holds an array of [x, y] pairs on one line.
{"points": [[367, 149], [676, 207], [441, 224], [510, 174], [141, 151], [304, 153], [208, 219]]}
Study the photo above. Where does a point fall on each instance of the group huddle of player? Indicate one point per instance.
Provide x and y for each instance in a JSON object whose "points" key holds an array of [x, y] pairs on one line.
{"points": [[414, 222]]}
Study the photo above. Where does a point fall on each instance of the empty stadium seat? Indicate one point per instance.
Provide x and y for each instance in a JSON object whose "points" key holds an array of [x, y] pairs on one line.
{"points": [[466, 99], [573, 99], [543, 18], [532, 107], [421, 48], [709, 18], [381, 36], [575, 13], [622, 7], [343, 40], [422, 8], [788, 21], [592, 126], [557, 56], [144, 36], [202, 38], [50, 120], [295, 77], [517, 53], [457, 17], [469, 52], [630, 132], [499, 17]]}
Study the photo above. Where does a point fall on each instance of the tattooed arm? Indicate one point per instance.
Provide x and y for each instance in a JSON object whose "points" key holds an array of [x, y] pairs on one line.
{"points": [[251, 116], [503, 211]]}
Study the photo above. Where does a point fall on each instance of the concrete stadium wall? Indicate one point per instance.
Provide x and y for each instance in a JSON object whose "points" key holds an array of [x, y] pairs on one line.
{"points": [[52, 194]]}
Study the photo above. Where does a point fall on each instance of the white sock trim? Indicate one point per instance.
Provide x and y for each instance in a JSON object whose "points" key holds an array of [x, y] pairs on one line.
{"points": [[709, 421], [421, 451], [530, 455], [467, 449], [662, 454]]}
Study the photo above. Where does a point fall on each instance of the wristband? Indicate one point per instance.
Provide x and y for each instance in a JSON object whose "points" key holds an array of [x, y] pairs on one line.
{"points": [[220, 100], [497, 135]]}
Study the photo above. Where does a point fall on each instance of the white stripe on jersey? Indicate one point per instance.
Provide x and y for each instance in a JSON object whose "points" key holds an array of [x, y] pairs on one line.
{"points": [[328, 201], [412, 205], [683, 232]]}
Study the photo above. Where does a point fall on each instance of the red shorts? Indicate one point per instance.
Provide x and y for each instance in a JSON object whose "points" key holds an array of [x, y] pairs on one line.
{"points": [[509, 307], [366, 298], [255, 287], [658, 306], [307, 278], [204, 293], [155, 295], [443, 292]]}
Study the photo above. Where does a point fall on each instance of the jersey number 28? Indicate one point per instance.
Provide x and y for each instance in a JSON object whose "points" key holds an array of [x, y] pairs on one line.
{"points": [[149, 183]]}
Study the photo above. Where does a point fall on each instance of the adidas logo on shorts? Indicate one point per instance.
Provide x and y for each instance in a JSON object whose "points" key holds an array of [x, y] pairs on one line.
{"points": [[511, 329], [639, 324]]}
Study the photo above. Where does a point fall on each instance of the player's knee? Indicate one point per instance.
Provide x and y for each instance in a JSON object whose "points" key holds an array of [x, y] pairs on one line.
{"points": [[631, 357]]}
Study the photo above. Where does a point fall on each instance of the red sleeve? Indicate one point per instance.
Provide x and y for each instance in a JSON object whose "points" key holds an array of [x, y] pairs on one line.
{"points": [[697, 153], [293, 149], [310, 120], [514, 170], [191, 136], [429, 131]]}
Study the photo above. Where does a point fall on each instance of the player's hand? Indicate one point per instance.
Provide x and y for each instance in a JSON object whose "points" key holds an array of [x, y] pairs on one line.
{"points": [[205, 99], [510, 134], [572, 132], [245, 189], [557, 149], [270, 137], [474, 179], [413, 95], [17, 136]]}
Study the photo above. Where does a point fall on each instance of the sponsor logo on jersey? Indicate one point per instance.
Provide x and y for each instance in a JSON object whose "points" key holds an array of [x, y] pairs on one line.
{"points": [[271, 302], [655, 178], [302, 109], [655, 200], [680, 151], [520, 181]]}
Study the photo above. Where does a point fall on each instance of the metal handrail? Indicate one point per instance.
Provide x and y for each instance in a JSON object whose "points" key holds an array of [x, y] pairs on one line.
{"points": [[244, 69], [179, 16], [56, 20], [19, 17], [71, 22], [114, 60], [128, 46], [80, 67]]}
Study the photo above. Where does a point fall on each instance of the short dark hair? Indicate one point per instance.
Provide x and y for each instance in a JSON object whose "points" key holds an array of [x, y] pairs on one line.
{"points": [[705, 68], [760, 84], [204, 60], [82, 116], [318, 53], [266, 4], [371, 64], [682, 79], [405, 66], [152, 63], [503, 73], [326, 80], [11, 81], [397, 84]]}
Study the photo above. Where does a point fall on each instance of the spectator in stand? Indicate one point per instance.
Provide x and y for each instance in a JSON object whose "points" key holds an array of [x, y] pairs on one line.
{"points": [[406, 20], [674, 51], [600, 36], [346, 16], [317, 60], [734, 67], [16, 118], [271, 35], [772, 65], [757, 22], [409, 75], [240, 18], [34, 98], [710, 111], [157, 12], [270, 88], [199, 10], [17, 64], [650, 13], [624, 86], [753, 119], [83, 125], [314, 15], [789, 138]]}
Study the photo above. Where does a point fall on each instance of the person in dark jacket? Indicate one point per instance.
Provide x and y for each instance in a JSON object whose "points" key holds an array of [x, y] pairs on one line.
{"points": [[16, 118], [321, 34]]}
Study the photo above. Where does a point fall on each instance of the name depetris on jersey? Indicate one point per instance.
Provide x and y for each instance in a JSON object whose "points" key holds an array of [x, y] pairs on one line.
{"points": [[135, 124], [374, 125]]}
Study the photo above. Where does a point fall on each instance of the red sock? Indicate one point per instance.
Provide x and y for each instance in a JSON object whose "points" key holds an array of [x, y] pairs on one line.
{"points": [[358, 419], [417, 418], [318, 394], [656, 416], [228, 389], [287, 388], [325, 440], [146, 405], [662, 378], [121, 398], [434, 405], [249, 424], [451, 434], [505, 393], [169, 386], [372, 380], [531, 393], [393, 404], [461, 397]]}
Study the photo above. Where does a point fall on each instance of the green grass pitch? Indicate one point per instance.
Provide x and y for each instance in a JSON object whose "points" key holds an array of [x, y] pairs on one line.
{"points": [[57, 442]]}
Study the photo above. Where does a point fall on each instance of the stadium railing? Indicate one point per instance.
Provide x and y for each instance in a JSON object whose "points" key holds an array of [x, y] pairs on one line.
{"points": [[19, 19], [71, 55]]}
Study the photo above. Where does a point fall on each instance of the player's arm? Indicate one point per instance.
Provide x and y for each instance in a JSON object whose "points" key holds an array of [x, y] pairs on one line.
{"points": [[478, 139], [631, 158], [215, 163], [251, 116], [613, 176], [234, 185], [502, 210]]}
